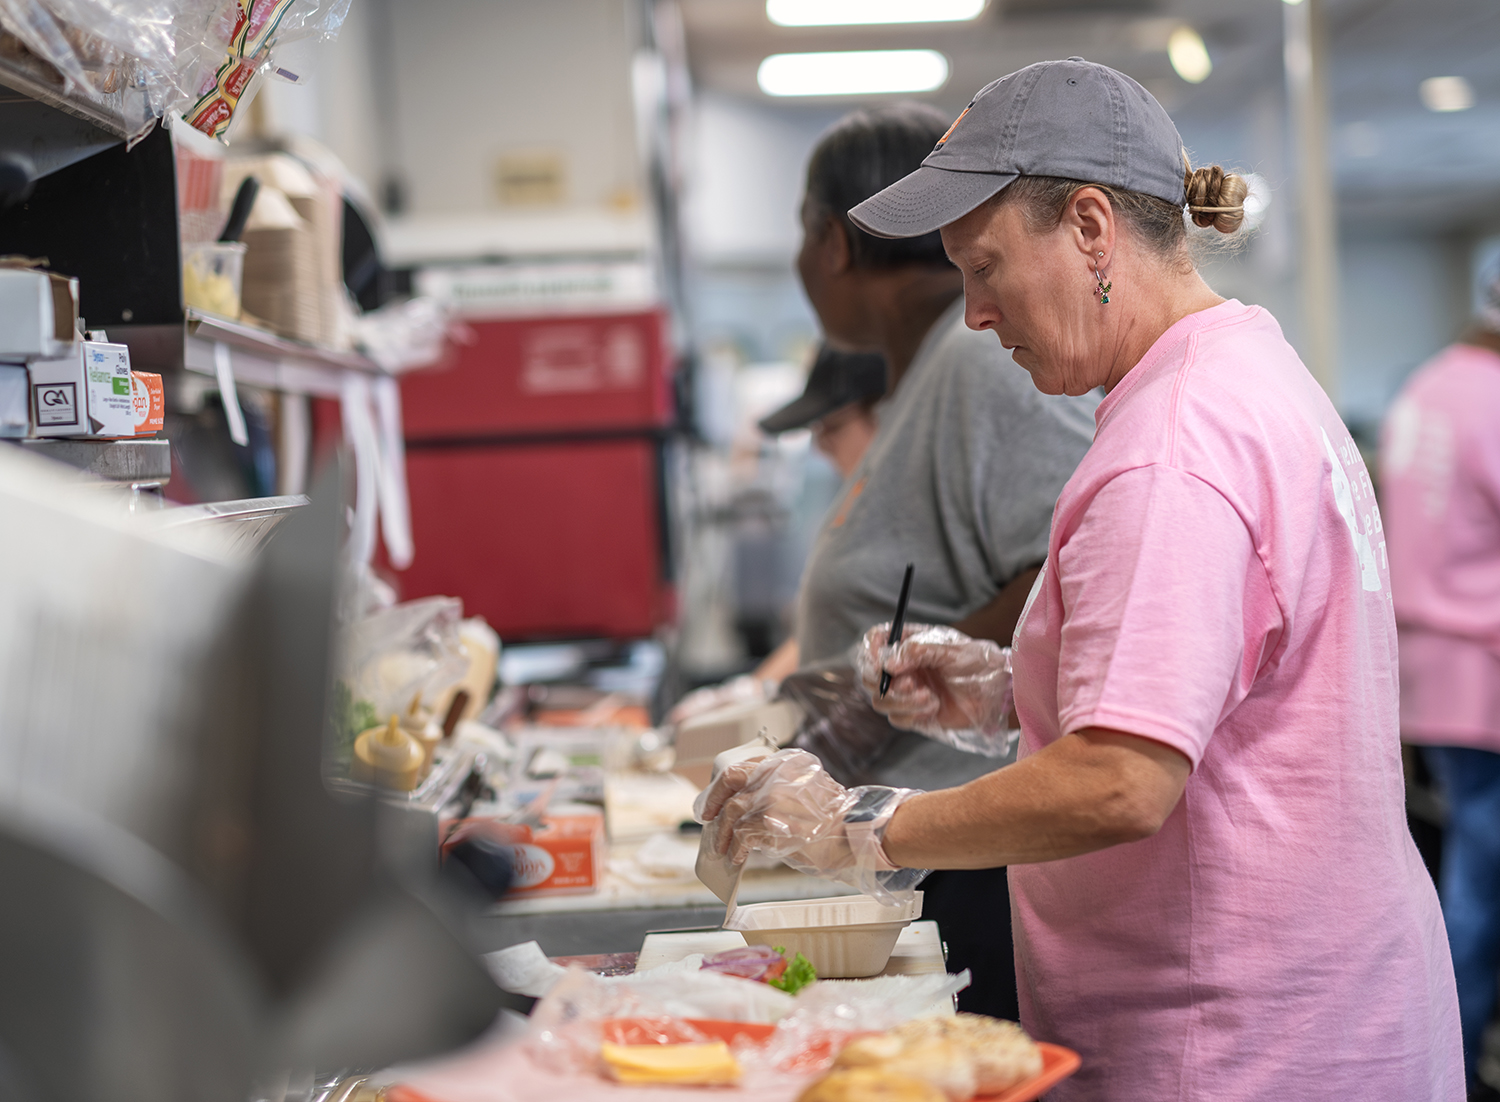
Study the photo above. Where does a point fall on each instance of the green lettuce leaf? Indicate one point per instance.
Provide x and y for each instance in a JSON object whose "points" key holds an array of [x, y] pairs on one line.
{"points": [[799, 973]]}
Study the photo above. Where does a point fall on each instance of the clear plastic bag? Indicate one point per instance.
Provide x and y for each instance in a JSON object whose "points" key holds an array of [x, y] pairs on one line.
{"points": [[944, 685], [251, 30], [569, 1024], [583, 1010], [142, 29], [408, 650], [143, 58]]}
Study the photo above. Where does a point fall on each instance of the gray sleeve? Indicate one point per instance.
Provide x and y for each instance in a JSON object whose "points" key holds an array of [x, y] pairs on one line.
{"points": [[1012, 451]]}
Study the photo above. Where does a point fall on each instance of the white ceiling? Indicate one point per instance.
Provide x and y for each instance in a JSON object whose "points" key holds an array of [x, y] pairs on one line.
{"points": [[1395, 161]]}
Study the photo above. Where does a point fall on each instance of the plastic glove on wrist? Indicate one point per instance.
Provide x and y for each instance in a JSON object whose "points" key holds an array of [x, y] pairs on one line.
{"points": [[944, 685], [787, 807]]}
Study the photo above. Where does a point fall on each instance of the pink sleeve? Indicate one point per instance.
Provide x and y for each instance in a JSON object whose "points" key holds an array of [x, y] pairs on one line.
{"points": [[1168, 610]]}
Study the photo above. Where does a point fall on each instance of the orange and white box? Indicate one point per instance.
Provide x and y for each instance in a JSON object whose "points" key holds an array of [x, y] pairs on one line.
{"points": [[565, 857], [148, 400]]}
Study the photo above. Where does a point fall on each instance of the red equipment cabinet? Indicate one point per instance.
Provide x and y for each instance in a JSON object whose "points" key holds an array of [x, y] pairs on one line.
{"points": [[546, 374], [534, 466]]}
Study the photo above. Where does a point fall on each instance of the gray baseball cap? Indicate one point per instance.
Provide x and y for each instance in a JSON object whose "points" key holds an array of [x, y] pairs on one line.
{"points": [[1074, 119], [837, 379]]}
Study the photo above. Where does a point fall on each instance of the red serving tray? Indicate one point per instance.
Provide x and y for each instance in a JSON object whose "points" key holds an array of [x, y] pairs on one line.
{"points": [[1057, 1064]]}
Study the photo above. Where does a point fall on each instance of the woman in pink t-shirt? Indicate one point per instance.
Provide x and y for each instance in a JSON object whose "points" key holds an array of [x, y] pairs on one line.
{"points": [[1213, 889], [1440, 481]]}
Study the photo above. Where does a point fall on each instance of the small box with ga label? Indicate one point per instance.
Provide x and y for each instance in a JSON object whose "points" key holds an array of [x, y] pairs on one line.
{"points": [[85, 394]]}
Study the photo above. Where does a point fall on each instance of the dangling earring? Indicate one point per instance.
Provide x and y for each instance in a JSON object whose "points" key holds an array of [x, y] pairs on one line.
{"points": [[1103, 289]]}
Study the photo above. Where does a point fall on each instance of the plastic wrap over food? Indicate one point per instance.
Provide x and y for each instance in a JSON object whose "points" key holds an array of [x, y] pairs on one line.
{"points": [[786, 806], [404, 651], [582, 1011], [832, 1012], [569, 1024], [944, 684]]}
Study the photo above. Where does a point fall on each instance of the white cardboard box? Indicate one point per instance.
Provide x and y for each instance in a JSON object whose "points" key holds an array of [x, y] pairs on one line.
{"points": [[38, 315], [15, 414], [84, 394]]}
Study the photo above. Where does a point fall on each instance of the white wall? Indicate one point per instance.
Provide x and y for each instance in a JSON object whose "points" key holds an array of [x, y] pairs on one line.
{"points": [[437, 90], [747, 165], [1402, 297], [476, 78]]}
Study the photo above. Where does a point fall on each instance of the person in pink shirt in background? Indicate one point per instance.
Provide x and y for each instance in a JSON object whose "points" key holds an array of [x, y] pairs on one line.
{"points": [[1440, 484], [1214, 891]]}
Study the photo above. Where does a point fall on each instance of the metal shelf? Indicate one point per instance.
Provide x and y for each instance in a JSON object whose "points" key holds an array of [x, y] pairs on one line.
{"points": [[111, 460], [258, 358]]}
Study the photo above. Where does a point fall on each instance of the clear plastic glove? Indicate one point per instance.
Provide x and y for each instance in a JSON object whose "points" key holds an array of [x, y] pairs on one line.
{"points": [[944, 685], [745, 689], [788, 807]]}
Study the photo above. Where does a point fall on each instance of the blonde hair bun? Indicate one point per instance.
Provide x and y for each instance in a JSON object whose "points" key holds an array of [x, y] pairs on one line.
{"points": [[1216, 198]]}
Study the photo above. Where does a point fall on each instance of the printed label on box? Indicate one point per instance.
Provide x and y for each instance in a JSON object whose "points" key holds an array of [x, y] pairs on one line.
{"points": [[146, 401], [140, 400], [56, 403], [530, 866], [111, 408]]}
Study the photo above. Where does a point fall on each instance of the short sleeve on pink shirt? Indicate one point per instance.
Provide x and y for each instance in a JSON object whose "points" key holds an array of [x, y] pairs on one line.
{"points": [[1217, 581], [1168, 610]]}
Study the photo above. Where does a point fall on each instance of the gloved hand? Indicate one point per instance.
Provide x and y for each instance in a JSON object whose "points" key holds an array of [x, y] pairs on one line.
{"points": [[745, 689], [786, 806], [944, 685]]}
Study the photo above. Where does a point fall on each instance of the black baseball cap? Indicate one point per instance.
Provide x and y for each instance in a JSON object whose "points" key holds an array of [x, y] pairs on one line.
{"points": [[1073, 119], [837, 379]]}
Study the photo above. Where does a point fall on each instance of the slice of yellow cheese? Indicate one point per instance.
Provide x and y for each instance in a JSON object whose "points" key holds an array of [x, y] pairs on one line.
{"points": [[698, 1065]]}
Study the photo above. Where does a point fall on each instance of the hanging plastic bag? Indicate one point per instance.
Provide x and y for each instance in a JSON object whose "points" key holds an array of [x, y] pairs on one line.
{"points": [[256, 28]]}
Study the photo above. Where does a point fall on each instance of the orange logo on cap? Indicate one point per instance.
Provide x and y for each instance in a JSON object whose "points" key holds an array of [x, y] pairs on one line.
{"points": [[951, 129]]}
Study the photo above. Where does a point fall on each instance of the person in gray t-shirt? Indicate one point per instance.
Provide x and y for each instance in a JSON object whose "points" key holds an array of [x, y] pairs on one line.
{"points": [[961, 478]]}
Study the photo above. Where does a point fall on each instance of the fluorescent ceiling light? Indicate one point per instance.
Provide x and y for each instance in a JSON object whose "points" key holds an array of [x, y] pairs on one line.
{"points": [[852, 73], [844, 13], [1188, 55], [1446, 94]]}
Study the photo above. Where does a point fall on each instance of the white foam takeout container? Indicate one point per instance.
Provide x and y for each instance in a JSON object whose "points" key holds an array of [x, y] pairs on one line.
{"points": [[844, 937]]}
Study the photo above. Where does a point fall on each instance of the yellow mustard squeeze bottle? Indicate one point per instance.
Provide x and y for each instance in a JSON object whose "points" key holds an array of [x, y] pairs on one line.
{"points": [[389, 757]]}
